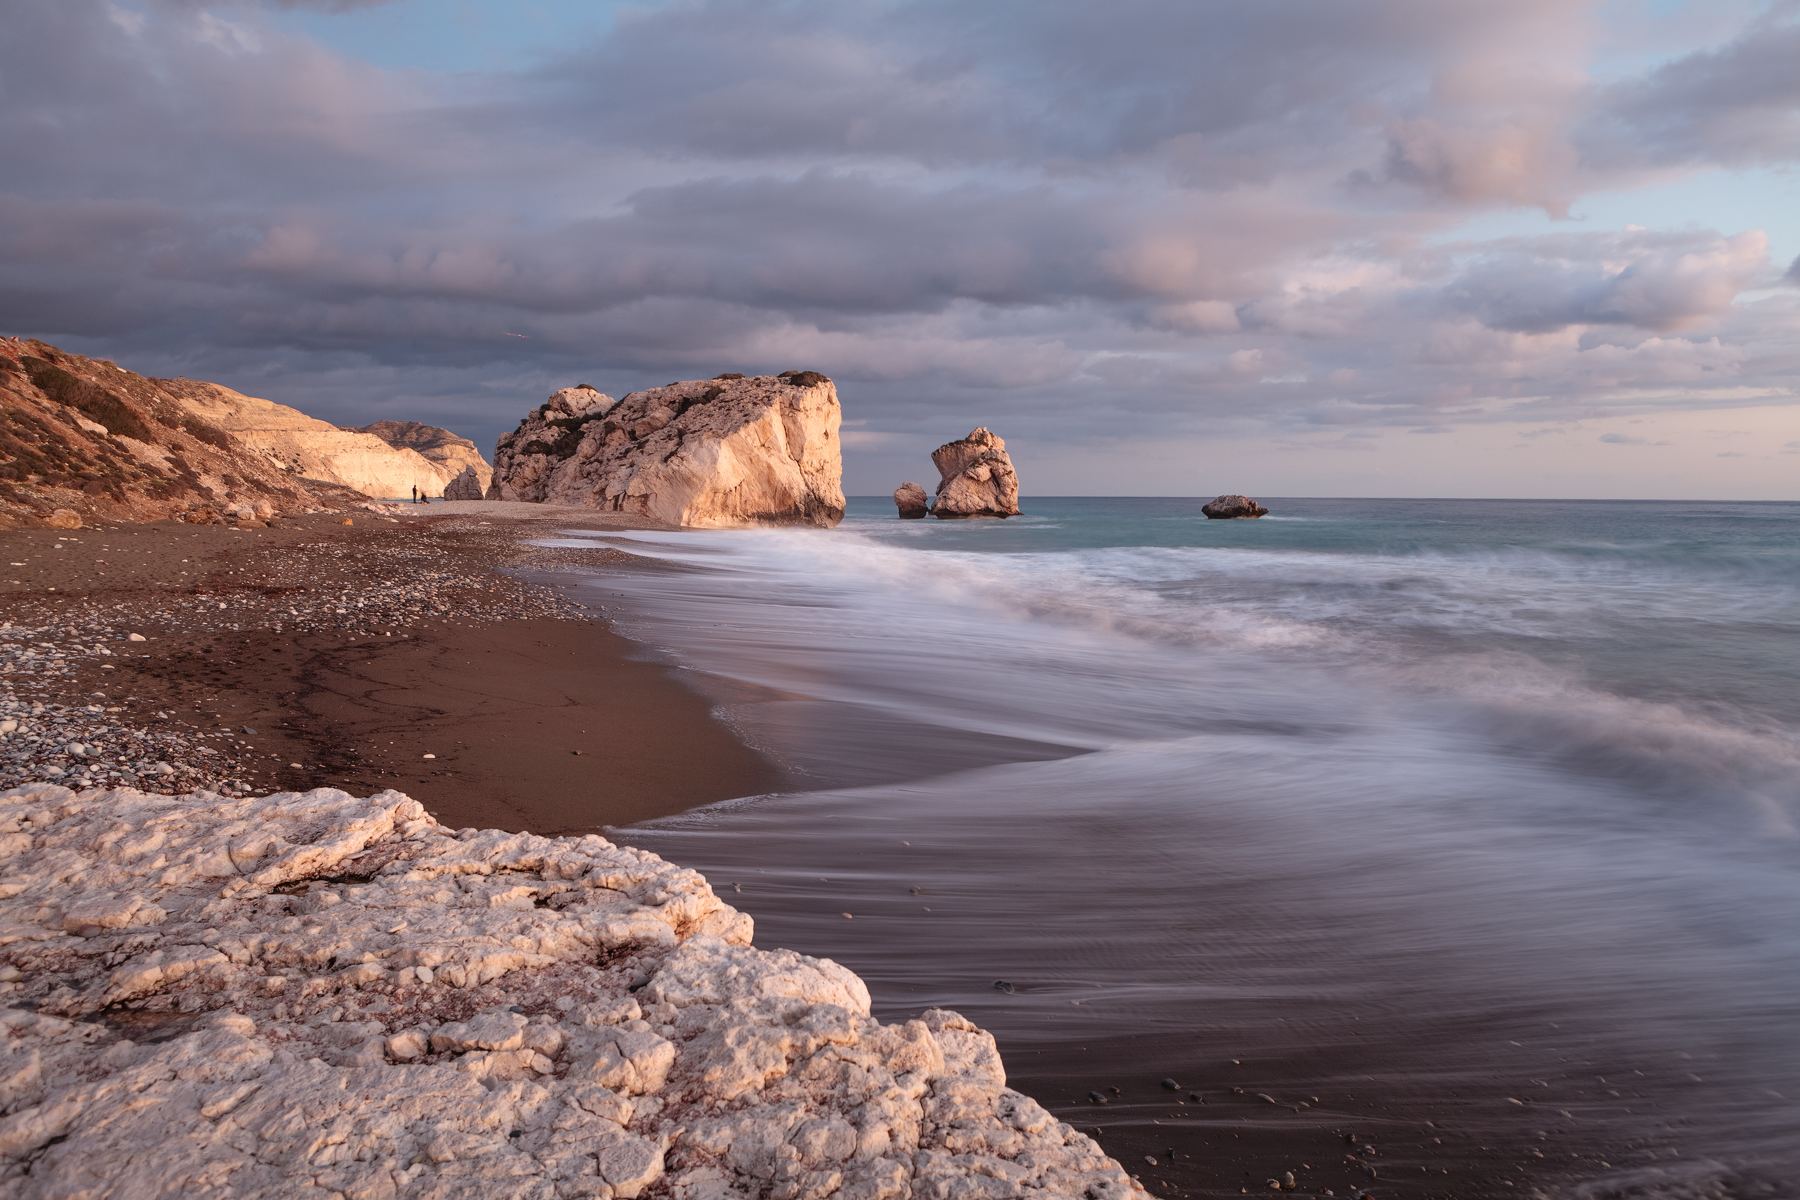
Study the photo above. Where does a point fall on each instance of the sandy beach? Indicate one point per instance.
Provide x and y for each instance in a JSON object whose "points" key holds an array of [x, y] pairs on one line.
{"points": [[413, 654]]}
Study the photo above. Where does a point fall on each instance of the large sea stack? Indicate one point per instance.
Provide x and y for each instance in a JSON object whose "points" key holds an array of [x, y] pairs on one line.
{"points": [[733, 450], [976, 478]]}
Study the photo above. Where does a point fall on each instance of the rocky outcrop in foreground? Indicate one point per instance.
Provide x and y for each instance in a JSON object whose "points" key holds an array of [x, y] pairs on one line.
{"points": [[466, 486], [311, 994], [707, 452], [976, 478], [1230, 508], [82, 439], [909, 498], [451, 453]]}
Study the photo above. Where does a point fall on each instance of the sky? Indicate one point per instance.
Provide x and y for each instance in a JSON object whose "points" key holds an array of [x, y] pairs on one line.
{"points": [[1170, 247]]}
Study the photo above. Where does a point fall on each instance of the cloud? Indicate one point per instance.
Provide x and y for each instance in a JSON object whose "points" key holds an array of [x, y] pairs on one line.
{"points": [[1179, 216], [328, 6], [1735, 103], [1662, 286]]}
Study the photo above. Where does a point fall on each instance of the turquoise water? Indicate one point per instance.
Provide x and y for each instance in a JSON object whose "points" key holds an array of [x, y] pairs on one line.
{"points": [[1698, 600], [1474, 823]]}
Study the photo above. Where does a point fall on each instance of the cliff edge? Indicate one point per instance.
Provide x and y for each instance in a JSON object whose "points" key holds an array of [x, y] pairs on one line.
{"points": [[451, 453], [83, 439]]}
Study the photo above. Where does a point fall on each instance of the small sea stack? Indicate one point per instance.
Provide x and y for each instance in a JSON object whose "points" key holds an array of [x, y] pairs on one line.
{"points": [[976, 478], [909, 498], [1232, 508]]}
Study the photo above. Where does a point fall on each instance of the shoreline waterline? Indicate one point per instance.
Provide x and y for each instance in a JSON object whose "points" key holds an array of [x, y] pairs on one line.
{"points": [[1413, 833]]}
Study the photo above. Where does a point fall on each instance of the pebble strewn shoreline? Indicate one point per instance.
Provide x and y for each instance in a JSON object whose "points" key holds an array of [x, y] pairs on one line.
{"points": [[67, 656]]}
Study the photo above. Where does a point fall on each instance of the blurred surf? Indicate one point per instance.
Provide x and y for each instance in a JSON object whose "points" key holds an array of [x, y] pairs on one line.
{"points": [[1471, 822]]}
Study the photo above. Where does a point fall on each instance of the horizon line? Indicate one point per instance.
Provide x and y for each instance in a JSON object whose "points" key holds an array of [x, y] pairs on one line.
{"points": [[1485, 499]]}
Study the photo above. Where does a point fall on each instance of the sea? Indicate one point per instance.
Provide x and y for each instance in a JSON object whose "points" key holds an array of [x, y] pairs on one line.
{"points": [[1414, 847]]}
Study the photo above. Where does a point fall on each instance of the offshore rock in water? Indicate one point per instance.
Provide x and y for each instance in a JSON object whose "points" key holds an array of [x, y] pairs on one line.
{"points": [[909, 498], [1231, 508], [976, 478], [705, 452], [203, 996]]}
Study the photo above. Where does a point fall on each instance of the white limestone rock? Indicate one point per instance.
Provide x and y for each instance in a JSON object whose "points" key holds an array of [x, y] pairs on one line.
{"points": [[315, 994], [705, 452], [308, 447], [975, 478], [451, 453]]}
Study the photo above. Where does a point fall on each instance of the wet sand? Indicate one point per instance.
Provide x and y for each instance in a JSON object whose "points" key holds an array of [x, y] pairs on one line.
{"points": [[536, 715]]}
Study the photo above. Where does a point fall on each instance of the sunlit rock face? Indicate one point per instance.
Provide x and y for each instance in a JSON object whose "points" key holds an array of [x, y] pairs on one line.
{"points": [[308, 447], [452, 453], [321, 994], [733, 450], [975, 478], [84, 440]]}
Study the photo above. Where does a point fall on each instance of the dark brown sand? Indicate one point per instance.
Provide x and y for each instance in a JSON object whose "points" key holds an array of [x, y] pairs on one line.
{"points": [[536, 715], [541, 725]]}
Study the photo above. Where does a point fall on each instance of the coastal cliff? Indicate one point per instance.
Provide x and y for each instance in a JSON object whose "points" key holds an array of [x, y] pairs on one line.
{"points": [[733, 450], [452, 453], [315, 993], [309, 447], [83, 439]]}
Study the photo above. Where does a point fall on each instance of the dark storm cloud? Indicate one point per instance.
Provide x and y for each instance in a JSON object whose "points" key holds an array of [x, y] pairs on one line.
{"points": [[1063, 213]]}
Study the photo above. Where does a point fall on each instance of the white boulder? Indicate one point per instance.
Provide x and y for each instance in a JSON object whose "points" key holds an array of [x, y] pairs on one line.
{"points": [[315, 994]]}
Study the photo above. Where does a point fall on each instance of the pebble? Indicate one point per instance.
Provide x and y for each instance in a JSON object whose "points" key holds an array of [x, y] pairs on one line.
{"points": [[47, 644]]}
